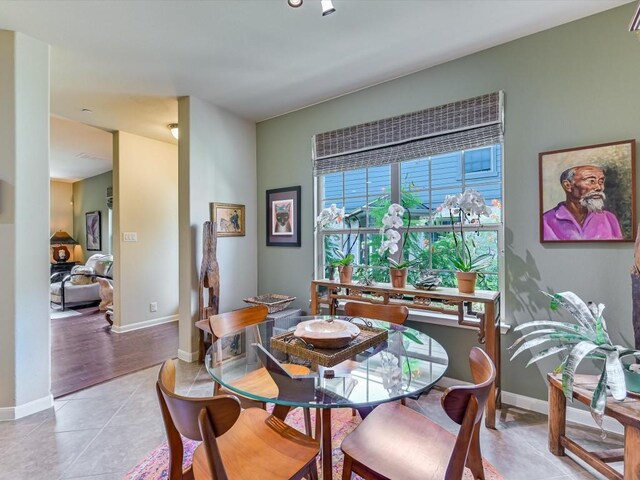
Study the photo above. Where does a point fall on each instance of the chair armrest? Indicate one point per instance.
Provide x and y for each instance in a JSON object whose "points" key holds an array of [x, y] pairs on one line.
{"points": [[56, 276]]}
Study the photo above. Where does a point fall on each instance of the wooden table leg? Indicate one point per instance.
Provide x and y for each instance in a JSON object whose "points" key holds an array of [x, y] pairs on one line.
{"points": [[557, 420], [327, 451], [631, 452], [280, 411], [492, 344], [314, 299]]}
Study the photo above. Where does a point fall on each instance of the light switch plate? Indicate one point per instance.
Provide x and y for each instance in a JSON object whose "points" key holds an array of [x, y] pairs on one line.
{"points": [[130, 236]]}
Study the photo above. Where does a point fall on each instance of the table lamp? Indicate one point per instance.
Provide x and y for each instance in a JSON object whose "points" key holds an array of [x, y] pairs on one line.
{"points": [[58, 242]]}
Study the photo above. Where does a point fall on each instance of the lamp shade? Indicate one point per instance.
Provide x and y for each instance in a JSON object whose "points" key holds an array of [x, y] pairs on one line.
{"points": [[62, 238]]}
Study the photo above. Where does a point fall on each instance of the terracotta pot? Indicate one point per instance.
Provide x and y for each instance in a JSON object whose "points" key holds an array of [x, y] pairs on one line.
{"points": [[398, 277], [346, 273], [467, 281]]}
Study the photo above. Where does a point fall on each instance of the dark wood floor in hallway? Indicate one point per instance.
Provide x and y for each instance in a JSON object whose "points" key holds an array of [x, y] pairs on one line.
{"points": [[85, 352]]}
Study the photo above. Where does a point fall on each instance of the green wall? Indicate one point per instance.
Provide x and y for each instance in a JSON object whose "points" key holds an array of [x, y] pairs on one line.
{"points": [[90, 195], [573, 85]]}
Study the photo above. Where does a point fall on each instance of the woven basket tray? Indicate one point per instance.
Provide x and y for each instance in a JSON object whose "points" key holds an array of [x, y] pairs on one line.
{"points": [[368, 337], [273, 301]]}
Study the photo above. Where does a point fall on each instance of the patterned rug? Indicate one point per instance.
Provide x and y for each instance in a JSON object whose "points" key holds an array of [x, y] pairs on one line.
{"points": [[156, 464]]}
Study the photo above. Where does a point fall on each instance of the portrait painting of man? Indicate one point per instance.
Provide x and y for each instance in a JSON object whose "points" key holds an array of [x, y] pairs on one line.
{"points": [[587, 193]]}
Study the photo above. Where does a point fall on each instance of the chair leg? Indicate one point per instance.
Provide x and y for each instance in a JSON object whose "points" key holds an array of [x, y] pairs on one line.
{"points": [[318, 429], [312, 471], [346, 467], [307, 421], [474, 457], [403, 401]]}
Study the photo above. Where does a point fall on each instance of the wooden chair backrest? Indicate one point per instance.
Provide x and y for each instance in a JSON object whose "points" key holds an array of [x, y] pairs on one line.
{"points": [[230, 322], [389, 313], [208, 433], [181, 413], [465, 406]]}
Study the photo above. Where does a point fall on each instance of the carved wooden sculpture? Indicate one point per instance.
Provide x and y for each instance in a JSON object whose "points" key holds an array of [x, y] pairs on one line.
{"points": [[635, 290], [209, 278]]}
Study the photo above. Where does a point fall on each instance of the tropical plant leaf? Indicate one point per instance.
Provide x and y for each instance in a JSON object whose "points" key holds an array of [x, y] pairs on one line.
{"points": [[542, 331], [547, 353], [576, 307], [599, 399], [412, 337], [562, 337], [576, 355], [570, 327], [615, 376]]}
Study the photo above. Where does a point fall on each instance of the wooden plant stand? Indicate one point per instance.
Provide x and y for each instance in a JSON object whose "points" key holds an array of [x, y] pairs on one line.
{"points": [[443, 300], [626, 412]]}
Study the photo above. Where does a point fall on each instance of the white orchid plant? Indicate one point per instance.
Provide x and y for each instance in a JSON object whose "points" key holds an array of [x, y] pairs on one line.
{"points": [[468, 206], [391, 222], [330, 216]]}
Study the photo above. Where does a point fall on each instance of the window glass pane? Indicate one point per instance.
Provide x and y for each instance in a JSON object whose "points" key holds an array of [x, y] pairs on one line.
{"points": [[445, 171], [378, 206], [354, 206], [332, 185], [379, 181], [355, 183], [492, 174], [440, 216], [415, 175], [493, 197], [418, 205], [477, 161]]}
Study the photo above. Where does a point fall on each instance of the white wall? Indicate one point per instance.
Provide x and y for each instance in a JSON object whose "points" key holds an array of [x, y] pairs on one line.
{"points": [[25, 368], [217, 164], [145, 179]]}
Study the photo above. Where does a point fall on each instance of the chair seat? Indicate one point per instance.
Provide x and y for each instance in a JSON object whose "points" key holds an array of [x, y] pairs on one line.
{"points": [[261, 384], [259, 446], [400, 444]]}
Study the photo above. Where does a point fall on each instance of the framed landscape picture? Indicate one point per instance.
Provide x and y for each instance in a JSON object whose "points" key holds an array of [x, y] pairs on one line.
{"points": [[587, 194], [283, 217], [229, 219], [94, 233]]}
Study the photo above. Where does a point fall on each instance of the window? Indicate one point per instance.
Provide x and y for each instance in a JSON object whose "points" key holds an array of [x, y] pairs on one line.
{"points": [[420, 186]]}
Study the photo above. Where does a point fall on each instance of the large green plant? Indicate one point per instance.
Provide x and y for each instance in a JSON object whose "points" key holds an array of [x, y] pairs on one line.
{"points": [[575, 342]]}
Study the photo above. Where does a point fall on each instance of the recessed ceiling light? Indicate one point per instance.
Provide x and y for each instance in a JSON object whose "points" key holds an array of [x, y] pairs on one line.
{"points": [[294, 3], [86, 110]]}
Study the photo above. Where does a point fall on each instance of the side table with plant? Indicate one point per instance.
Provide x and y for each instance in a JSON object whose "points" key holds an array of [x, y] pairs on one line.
{"points": [[467, 207]]}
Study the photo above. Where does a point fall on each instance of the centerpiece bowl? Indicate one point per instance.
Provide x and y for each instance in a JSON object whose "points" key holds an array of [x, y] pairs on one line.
{"points": [[327, 333]]}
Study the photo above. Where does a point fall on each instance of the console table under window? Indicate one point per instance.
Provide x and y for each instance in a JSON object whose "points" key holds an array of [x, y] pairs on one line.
{"points": [[480, 310]]}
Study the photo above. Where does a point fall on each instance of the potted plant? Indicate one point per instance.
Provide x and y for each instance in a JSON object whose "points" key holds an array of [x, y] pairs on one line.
{"points": [[343, 259], [391, 222], [344, 264], [468, 207], [588, 338]]}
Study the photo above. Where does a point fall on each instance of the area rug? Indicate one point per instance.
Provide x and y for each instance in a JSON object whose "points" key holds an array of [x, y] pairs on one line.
{"points": [[155, 466]]}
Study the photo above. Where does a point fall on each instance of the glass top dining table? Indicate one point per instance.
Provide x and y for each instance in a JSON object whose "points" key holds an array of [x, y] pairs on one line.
{"points": [[408, 363]]}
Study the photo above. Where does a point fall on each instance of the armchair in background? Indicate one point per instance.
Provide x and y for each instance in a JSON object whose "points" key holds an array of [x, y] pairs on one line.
{"points": [[80, 287]]}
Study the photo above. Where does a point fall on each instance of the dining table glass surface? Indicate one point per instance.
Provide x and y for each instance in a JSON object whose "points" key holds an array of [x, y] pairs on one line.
{"points": [[406, 364]]}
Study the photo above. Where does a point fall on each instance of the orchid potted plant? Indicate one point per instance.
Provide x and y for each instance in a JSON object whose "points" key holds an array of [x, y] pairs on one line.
{"points": [[468, 207], [391, 222], [343, 258]]}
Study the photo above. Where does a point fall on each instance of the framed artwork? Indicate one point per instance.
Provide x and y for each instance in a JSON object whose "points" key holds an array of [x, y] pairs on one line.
{"points": [[587, 194], [229, 219], [94, 233], [283, 217]]}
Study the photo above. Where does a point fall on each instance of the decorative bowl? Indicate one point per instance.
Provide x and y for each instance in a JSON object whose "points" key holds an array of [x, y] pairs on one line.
{"points": [[273, 301], [327, 333]]}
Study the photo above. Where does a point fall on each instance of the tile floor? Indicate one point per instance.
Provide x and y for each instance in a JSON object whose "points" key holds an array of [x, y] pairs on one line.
{"points": [[101, 432]]}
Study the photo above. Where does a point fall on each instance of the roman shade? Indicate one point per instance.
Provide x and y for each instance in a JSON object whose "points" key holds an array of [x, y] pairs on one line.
{"points": [[470, 123]]}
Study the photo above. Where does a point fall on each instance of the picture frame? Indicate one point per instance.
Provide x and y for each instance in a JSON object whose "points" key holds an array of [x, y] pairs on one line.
{"points": [[587, 194], [93, 231], [229, 219], [283, 227]]}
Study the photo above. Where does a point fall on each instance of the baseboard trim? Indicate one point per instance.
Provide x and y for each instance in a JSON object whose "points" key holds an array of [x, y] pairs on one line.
{"points": [[188, 357], [146, 324], [19, 411], [574, 415]]}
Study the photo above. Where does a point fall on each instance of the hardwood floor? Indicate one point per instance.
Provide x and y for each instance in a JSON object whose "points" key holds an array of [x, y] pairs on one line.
{"points": [[85, 352]]}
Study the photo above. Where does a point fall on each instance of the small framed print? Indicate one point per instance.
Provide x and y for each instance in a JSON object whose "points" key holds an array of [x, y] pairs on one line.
{"points": [[587, 194], [283, 217], [93, 231], [229, 219]]}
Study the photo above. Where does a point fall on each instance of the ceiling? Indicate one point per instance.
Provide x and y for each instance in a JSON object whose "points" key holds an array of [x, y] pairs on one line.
{"points": [[128, 61]]}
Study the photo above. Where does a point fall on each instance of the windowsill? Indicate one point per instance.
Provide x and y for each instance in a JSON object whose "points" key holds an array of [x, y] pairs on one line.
{"points": [[435, 318]]}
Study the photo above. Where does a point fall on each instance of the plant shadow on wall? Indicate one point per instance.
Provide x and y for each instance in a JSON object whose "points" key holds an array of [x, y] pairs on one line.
{"points": [[522, 282]]}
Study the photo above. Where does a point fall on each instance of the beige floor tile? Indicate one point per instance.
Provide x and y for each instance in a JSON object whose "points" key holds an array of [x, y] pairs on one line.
{"points": [[82, 414]]}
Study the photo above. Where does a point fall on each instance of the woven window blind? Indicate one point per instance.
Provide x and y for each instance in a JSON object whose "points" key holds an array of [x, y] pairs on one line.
{"points": [[470, 123]]}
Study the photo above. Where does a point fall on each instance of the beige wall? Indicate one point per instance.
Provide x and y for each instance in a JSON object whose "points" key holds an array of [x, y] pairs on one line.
{"points": [[90, 195], [61, 196], [217, 164], [25, 368], [145, 177]]}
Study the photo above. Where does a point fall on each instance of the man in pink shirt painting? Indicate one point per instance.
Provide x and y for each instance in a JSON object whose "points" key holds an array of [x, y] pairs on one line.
{"points": [[582, 215]]}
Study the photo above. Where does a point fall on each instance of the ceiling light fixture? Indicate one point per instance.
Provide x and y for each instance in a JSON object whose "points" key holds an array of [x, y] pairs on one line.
{"points": [[174, 129], [327, 7], [294, 3]]}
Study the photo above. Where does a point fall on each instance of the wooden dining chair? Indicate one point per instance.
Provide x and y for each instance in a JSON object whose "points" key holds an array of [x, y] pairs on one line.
{"points": [[257, 381], [389, 313], [249, 434], [395, 442]]}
